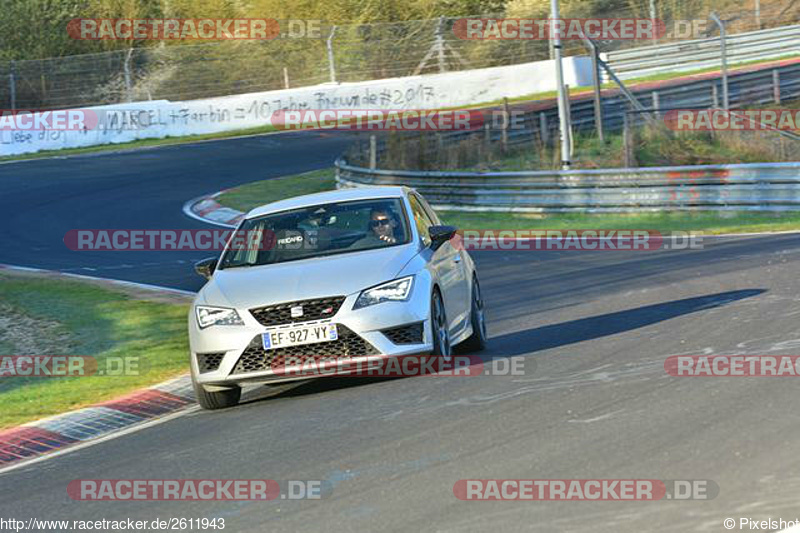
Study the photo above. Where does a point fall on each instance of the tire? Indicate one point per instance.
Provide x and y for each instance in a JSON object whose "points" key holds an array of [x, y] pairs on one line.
{"points": [[440, 334], [476, 341], [217, 400]]}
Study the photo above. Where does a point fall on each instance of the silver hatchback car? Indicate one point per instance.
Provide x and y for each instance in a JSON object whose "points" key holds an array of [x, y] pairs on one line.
{"points": [[354, 274]]}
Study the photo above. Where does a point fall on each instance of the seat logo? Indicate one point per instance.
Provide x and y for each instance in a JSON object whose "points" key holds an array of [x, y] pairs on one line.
{"points": [[297, 311]]}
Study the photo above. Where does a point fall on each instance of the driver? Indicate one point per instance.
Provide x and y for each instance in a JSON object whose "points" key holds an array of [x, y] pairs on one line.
{"points": [[381, 230]]}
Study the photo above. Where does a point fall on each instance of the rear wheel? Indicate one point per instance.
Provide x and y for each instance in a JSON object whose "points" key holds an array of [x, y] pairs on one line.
{"points": [[476, 341], [439, 329], [218, 399]]}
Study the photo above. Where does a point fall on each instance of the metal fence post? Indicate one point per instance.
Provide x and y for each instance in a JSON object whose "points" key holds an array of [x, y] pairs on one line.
{"points": [[776, 86], [12, 84], [627, 140], [544, 133], [563, 119], [568, 107], [724, 56], [758, 14], [506, 121], [373, 152], [331, 65], [598, 97], [285, 78], [440, 45], [126, 66], [656, 104], [653, 19]]}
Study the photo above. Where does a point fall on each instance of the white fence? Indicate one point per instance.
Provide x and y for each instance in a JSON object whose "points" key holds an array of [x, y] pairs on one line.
{"points": [[121, 123]]}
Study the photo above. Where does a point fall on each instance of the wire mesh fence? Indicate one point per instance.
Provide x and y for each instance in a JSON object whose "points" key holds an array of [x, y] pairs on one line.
{"points": [[341, 53], [649, 136]]}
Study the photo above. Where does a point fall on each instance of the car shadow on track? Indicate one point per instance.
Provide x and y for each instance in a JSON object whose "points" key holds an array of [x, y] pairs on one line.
{"points": [[594, 327], [533, 340], [309, 387]]}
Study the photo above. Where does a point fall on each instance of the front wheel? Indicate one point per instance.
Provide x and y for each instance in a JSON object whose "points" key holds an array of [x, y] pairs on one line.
{"points": [[476, 341], [440, 331], [217, 400]]}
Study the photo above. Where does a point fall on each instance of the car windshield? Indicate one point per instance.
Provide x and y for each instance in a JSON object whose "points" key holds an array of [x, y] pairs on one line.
{"points": [[317, 231]]}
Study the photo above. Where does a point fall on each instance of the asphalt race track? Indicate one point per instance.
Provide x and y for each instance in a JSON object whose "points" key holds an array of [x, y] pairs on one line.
{"points": [[591, 331], [42, 200]]}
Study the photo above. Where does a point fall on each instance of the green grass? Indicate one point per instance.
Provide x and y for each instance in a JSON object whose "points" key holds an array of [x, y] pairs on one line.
{"points": [[77, 318], [254, 194], [246, 197], [653, 145], [651, 149]]}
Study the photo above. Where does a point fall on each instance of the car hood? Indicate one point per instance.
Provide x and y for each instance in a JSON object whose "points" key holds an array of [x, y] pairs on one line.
{"points": [[307, 278]]}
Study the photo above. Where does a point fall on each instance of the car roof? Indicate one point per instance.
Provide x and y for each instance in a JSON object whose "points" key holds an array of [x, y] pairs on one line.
{"points": [[326, 197]]}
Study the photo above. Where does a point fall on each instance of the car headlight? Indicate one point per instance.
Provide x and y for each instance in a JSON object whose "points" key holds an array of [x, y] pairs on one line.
{"points": [[217, 316], [392, 291]]}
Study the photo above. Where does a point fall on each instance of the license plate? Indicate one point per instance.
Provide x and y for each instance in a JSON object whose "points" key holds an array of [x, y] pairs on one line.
{"points": [[296, 336]]}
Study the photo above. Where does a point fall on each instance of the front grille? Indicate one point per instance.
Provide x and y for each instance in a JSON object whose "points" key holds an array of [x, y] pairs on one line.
{"points": [[408, 334], [255, 358], [274, 315], [208, 362]]}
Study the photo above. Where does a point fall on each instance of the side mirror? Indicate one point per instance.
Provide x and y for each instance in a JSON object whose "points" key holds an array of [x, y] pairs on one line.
{"points": [[206, 267], [440, 235]]}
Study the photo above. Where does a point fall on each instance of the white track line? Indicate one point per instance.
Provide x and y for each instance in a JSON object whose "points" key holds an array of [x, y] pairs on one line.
{"points": [[111, 436], [132, 284]]}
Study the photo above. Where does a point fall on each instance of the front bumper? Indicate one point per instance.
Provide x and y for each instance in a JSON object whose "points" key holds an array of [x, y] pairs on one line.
{"points": [[233, 355]]}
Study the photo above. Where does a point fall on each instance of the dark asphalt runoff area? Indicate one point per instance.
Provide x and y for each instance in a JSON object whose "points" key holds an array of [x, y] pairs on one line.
{"points": [[590, 331]]}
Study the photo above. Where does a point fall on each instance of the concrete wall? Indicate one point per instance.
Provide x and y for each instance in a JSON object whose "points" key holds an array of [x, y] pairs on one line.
{"points": [[161, 118]]}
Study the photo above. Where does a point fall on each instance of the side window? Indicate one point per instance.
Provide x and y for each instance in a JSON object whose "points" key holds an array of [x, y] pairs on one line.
{"points": [[429, 210], [421, 218]]}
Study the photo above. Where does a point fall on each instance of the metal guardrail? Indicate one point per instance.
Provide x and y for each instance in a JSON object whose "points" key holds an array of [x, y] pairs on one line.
{"points": [[756, 187], [761, 186], [704, 53]]}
